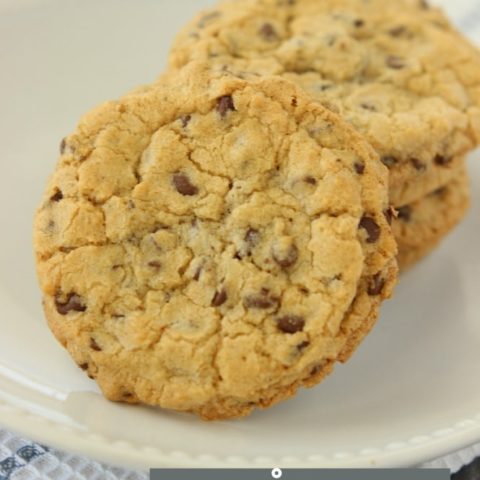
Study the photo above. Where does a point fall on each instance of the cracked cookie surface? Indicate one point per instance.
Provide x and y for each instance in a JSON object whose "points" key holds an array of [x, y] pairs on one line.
{"points": [[211, 244], [397, 71], [422, 225]]}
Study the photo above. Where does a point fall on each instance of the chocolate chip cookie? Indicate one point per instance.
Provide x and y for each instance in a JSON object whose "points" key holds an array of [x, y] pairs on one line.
{"points": [[422, 225], [397, 71], [211, 244]]}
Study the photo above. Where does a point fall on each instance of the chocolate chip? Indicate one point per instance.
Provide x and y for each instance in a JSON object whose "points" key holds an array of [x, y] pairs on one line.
{"points": [[442, 160], [181, 270], [94, 345], [197, 274], [424, 4], [63, 145], [134, 240], [155, 264], [73, 303], [185, 119], [395, 62], [183, 185], [57, 196], [389, 161], [263, 301], [220, 298], [224, 104], [267, 31], [372, 228], [418, 165], [369, 107], [290, 324], [310, 180], [359, 167], [303, 345], [324, 86], [397, 31], [359, 23], [294, 102], [389, 215], [316, 370], [287, 258], [84, 366], [376, 285], [405, 213], [440, 192]]}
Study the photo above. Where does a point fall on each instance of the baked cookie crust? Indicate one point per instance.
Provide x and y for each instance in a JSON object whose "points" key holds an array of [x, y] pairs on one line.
{"points": [[213, 243], [397, 71]]}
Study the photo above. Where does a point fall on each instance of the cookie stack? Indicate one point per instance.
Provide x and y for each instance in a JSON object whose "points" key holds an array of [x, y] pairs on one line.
{"points": [[397, 71], [214, 241]]}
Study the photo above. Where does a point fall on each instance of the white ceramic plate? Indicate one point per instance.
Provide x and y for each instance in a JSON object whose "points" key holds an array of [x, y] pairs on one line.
{"points": [[410, 394]]}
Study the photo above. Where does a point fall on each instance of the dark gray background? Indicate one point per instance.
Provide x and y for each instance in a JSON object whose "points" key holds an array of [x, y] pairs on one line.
{"points": [[299, 474]]}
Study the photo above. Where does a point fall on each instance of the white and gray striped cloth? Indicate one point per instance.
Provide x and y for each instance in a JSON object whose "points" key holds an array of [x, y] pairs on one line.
{"points": [[21, 459]]}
